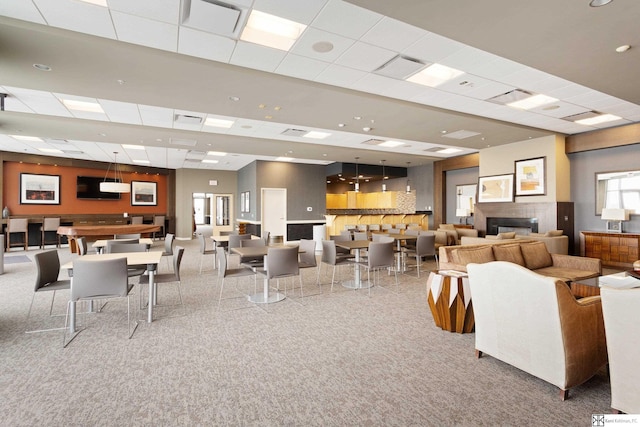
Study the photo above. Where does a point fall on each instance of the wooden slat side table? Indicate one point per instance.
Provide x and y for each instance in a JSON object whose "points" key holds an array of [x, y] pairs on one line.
{"points": [[449, 299]]}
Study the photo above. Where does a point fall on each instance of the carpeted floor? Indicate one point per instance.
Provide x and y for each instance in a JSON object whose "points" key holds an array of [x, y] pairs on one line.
{"points": [[329, 359], [15, 259]]}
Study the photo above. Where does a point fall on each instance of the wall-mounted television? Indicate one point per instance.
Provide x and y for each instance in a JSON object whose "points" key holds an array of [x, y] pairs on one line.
{"points": [[88, 187]]}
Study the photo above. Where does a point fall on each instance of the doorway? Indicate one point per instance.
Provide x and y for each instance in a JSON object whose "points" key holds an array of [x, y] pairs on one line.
{"points": [[274, 212], [212, 213]]}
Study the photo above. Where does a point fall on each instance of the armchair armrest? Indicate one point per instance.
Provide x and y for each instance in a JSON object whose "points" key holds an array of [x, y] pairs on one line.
{"points": [[577, 262]]}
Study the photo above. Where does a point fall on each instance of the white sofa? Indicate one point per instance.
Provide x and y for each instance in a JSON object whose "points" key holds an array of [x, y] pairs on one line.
{"points": [[534, 323], [622, 325]]}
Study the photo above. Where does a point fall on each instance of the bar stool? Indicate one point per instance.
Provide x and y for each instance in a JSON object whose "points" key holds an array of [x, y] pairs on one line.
{"points": [[18, 225], [50, 225], [159, 220]]}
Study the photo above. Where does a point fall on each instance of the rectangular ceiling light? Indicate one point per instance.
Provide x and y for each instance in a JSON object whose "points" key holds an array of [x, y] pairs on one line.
{"points": [[142, 162], [271, 31], [216, 153], [90, 107], [210, 161], [391, 144], [132, 147], [26, 138], [460, 134], [316, 135], [284, 159], [97, 2], [602, 118], [400, 67], [434, 75], [50, 150], [532, 102], [219, 123], [449, 151]]}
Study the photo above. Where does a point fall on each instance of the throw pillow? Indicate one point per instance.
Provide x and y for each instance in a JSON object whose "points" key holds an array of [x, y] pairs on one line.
{"points": [[509, 253], [476, 255], [553, 233], [509, 235], [536, 255]]}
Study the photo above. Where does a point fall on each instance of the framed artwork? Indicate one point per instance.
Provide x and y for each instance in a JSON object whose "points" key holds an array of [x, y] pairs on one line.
{"points": [[530, 177], [39, 189], [247, 207], [242, 201], [144, 193], [496, 188]]}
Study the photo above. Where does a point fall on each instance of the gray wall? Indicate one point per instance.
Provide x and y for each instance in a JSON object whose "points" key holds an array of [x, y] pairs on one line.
{"points": [[454, 178], [247, 182], [584, 167]]}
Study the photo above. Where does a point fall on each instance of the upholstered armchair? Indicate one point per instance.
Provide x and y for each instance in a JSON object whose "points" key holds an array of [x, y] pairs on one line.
{"points": [[534, 323]]}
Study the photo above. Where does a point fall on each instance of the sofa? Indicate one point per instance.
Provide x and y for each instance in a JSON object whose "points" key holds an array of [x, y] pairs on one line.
{"points": [[555, 244], [535, 324], [533, 255], [455, 234]]}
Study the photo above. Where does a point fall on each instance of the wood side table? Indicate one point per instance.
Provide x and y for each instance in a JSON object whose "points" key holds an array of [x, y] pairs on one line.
{"points": [[449, 298]]}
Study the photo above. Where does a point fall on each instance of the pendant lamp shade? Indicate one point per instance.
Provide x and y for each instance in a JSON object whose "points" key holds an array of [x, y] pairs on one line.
{"points": [[116, 185]]}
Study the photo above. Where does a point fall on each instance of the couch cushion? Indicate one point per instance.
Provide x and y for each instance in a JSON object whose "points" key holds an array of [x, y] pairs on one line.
{"points": [[509, 235], [553, 233], [566, 274], [469, 232], [475, 255], [447, 227], [509, 253], [536, 255]]}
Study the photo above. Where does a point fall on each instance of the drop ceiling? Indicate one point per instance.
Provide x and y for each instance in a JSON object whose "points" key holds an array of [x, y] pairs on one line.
{"points": [[159, 73]]}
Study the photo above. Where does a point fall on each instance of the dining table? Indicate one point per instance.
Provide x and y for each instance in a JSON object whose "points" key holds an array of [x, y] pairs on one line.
{"points": [[399, 238], [99, 245], [151, 259], [263, 297], [357, 246]]}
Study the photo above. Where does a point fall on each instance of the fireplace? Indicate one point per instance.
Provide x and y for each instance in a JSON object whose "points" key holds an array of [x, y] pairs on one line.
{"points": [[521, 226]]}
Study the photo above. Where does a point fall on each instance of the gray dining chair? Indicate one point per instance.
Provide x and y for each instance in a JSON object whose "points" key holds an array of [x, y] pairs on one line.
{"points": [[234, 240], [137, 220], [47, 273], [380, 257], [202, 244], [307, 257], [281, 263], [172, 277], [159, 220], [128, 236], [330, 256], [99, 279], [425, 247], [360, 235], [252, 262], [168, 248], [83, 248], [224, 272], [120, 248]]}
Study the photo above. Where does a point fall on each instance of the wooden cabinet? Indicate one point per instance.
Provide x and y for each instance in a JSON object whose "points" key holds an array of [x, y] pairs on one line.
{"points": [[336, 201], [353, 200], [618, 250]]}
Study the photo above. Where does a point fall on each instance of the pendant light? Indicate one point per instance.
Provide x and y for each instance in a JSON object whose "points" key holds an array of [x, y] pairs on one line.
{"points": [[357, 177], [408, 181], [117, 185], [384, 185]]}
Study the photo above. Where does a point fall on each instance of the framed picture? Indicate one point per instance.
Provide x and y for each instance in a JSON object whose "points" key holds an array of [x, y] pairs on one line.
{"points": [[242, 201], [247, 207], [39, 189], [530, 177], [144, 193], [496, 188]]}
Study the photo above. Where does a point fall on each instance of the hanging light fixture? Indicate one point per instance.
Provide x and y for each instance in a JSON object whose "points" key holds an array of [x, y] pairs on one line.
{"points": [[357, 176], [117, 185], [384, 185], [408, 181]]}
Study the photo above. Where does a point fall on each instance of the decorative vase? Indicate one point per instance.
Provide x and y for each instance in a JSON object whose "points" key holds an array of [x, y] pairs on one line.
{"points": [[5, 212]]}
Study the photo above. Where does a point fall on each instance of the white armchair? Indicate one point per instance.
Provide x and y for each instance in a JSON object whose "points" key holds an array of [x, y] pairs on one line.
{"points": [[622, 326]]}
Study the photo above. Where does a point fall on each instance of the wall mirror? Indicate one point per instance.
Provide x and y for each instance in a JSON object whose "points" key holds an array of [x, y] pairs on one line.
{"points": [[618, 190], [466, 196]]}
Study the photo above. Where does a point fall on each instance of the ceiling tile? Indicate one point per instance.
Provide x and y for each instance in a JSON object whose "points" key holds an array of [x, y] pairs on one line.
{"points": [[567, 92], [365, 57], [338, 75], [524, 77], [145, 32], [121, 112], [304, 46], [564, 109], [496, 69], [394, 35], [485, 89], [40, 102], [432, 48], [21, 9], [95, 20], [345, 19], [301, 67], [256, 56], [205, 45], [156, 116], [294, 10], [158, 10]]}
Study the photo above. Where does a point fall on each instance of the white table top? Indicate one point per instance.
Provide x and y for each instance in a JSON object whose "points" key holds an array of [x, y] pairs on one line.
{"points": [[133, 258], [103, 242], [226, 238]]}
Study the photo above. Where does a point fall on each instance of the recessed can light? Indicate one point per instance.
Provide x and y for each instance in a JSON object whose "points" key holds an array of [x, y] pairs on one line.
{"points": [[42, 67], [598, 3], [234, 98], [322, 47], [623, 48]]}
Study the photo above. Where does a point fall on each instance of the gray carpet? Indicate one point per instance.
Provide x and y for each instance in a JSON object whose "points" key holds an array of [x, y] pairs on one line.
{"points": [[329, 359], [15, 259]]}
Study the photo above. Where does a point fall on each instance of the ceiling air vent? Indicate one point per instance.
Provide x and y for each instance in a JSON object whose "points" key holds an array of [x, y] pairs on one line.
{"points": [[195, 155], [434, 149], [509, 97], [400, 67], [294, 132], [211, 16], [187, 119]]}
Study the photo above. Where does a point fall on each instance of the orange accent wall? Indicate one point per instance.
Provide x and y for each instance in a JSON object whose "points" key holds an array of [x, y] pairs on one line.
{"points": [[69, 204]]}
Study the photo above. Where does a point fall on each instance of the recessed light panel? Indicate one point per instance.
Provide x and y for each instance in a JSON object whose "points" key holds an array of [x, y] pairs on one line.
{"points": [[434, 75], [90, 107], [26, 138], [216, 153], [132, 147], [271, 31], [316, 135], [602, 118], [391, 144], [51, 150], [219, 123], [449, 151], [284, 159], [210, 161], [532, 102]]}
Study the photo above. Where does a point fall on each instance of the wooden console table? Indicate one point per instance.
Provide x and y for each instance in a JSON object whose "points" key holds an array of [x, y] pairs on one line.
{"points": [[75, 231], [449, 299], [618, 250]]}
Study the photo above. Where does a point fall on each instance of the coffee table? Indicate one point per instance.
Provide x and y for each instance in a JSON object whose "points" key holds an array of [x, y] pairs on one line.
{"points": [[591, 287]]}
